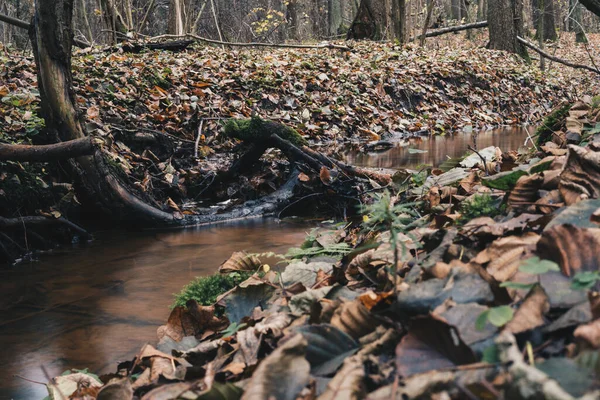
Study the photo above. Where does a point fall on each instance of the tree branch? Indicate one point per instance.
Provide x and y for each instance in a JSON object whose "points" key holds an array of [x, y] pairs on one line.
{"points": [[458, 28], [49, 152], [18, 223], [556, 59], [25, 25]]}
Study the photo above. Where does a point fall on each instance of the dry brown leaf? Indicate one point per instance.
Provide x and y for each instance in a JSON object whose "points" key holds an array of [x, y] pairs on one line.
{"points": [[526, 190], [302, 177], [550, 202], [531, 312], [325, 176], [505, 254], [580, 178], [191, 321], [354, 319], [348, 382], [240, 261], [574, 249], [282, 375]]}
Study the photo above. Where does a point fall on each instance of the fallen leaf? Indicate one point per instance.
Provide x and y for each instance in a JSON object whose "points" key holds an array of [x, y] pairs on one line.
{"points": [[530, 313], [240, 261]]}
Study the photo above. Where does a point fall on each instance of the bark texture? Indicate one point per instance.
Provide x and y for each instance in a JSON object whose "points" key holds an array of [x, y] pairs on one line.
{"points": [[544, 8], [370, 20], [505, 22], [50, 152]]}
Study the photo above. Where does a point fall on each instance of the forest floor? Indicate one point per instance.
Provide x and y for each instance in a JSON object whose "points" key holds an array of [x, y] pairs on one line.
{"points": [[150, 108], [477, 279]]}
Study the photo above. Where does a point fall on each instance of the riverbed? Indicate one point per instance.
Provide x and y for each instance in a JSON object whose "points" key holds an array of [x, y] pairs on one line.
{"points": [[97, 304]]}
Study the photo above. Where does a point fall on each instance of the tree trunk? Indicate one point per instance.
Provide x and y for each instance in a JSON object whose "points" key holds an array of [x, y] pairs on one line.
{"points": [[51, 38], [399, 20], [112, 18], [176, 18], [334, 16], [549, 25], [456, 10], [505, 21], [369, 21], [577, 25], [292, 18]]}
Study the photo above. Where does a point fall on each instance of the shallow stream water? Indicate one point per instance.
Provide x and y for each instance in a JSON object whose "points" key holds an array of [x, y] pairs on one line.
{"points": [[94, 306]]}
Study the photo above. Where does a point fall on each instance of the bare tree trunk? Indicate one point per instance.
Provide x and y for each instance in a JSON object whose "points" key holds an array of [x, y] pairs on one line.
{"points": [[334, 16], [399, 20], [87, 22], [545, 9], [580, 36], [430, 7], [51, 39], [505, 21], [292, 18], [176, 18], [113, 19]]}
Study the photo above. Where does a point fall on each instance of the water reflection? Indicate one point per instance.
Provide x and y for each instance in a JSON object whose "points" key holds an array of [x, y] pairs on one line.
{"points": [[112, 296], [439, 148]]}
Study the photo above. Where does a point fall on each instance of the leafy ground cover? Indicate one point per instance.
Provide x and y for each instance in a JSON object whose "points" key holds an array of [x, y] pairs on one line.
{"points": [[427, 296], [149, 108]]}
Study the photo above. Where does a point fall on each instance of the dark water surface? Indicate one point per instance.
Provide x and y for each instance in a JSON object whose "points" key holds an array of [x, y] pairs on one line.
{"points": [[439, 148], [97, 305], [114, 295]]}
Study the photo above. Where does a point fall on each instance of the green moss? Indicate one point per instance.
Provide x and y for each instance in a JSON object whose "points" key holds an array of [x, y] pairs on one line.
{"points": [[551, 122], [480, 206], [205, 290], [257, 129]]}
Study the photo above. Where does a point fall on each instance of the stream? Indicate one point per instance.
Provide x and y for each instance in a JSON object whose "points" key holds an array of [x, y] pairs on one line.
{"points": [[96, 305]]}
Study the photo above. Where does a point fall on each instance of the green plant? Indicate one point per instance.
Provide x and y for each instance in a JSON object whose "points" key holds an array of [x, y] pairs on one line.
{"points": [[585, 280], [497, 316], [478, 206], [206, 289], [551, 123], [384, 214], [533, 266]]}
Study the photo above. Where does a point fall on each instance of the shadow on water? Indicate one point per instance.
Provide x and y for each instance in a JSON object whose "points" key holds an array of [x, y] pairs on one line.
{"points": [[97, 305], [439, 148], [112, 294]]}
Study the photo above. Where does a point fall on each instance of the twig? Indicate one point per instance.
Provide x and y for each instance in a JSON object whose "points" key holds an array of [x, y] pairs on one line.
{"points": [[487, 172], [198, 138], [29, 380]]}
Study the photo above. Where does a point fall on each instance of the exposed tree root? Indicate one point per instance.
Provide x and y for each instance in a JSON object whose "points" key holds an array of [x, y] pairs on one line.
{"points": [[19, 223], [49, 152]]}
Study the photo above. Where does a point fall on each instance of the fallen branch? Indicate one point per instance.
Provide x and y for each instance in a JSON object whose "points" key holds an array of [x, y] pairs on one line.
{"points": [[49, 152], [19, 223], [556, 59], [25, 25], [458, 28], [189, 36], [175, 45]]}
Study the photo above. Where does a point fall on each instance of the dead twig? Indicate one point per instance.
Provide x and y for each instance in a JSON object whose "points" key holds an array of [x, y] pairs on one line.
{"points": [[487, 172]]}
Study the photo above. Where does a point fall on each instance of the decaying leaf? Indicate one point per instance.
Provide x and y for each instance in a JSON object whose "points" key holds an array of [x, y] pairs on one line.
{"points": [[327, 347], [240, 261], [190, 321], [580, 178], [530, 313], [504, 255], [117, 390], [353, 318], [304, 273], [348, 382], [526, 190], [63, 386], [281, 375], [574, 249]]}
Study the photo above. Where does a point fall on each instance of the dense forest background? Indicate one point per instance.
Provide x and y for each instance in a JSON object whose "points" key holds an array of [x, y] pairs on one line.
{"points": [[274, 21]]}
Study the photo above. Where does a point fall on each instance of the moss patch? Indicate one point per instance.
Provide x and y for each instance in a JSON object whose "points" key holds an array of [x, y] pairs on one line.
{"points": [[205, 290], [257, 129], [551, 123]]}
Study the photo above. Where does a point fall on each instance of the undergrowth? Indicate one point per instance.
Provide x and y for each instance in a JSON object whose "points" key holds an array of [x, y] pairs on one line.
{"points": [[482, 205], [206, 289]]}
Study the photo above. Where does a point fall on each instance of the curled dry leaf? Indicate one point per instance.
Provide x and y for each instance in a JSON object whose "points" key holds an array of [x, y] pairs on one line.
{"points": [[118, 390], [526, 190], [505, 254], [348, 382], [354, 319], [240, 261], [191, 320], [574, 249], [589, 334], [531, 312], [580, 178], [282, 375]]}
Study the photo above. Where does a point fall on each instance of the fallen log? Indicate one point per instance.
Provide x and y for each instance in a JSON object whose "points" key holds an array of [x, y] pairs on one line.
{"points": [[48, 152], [175, 45], [191, 36], [19, 223], [451, 29]]}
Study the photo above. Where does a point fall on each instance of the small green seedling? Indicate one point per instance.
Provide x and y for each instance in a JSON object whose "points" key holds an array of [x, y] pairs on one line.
{"points": [[533, 266], [585, 280], [497, 316]]}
